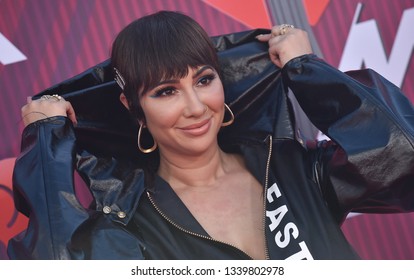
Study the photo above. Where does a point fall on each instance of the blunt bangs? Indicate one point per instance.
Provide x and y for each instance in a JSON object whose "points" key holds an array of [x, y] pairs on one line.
{"points": [[170, 47], [158, 47]]}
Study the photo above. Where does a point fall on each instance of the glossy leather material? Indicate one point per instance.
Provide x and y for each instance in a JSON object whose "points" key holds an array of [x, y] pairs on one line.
{"points": [[368, 167]]}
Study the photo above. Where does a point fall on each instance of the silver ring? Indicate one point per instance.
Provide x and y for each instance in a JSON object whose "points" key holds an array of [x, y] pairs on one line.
{"points": [[284, 27], [54, 96]]}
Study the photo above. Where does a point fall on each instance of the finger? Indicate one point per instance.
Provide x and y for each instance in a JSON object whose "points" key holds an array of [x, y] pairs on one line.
{"points": [[264, 37], [29, 99], [276, 61], [70, 112], [275, 31], [282, 29]]}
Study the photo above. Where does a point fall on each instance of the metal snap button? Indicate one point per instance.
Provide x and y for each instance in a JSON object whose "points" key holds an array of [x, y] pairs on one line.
{"points": [[121, 214], [107, 210]]}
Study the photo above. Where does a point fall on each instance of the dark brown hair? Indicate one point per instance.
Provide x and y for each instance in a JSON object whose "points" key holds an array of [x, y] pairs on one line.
{"points": [[156, 47]]}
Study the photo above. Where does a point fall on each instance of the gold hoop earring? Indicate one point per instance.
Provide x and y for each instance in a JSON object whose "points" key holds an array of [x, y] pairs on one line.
{"points": [[145, 151], [229, 122]]}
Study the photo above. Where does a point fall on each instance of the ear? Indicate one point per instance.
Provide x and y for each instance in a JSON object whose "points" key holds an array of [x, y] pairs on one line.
{"points": [[124, 100]]}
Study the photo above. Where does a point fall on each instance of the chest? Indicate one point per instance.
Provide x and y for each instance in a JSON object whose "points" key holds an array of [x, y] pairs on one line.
{"points": [[231, 212]]}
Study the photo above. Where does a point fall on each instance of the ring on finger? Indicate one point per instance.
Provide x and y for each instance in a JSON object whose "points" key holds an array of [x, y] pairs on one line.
{"points": [[54, 96], [284, 27]]}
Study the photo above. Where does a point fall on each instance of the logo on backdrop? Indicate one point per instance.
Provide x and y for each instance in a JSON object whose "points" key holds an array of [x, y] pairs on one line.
{"points": [[364, 47], [9, 53], [11, 221]]}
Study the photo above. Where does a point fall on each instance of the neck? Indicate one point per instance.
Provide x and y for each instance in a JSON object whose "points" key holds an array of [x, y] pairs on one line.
{"points": [[194, 171]]}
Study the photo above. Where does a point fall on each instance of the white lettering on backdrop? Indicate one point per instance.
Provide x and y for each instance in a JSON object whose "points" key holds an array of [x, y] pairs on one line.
{"points": [[9, 53], [364, 47]]}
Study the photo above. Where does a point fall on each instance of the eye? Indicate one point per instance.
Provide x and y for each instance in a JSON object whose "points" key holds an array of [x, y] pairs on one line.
{"points": [[206, 80], [166, 91]]}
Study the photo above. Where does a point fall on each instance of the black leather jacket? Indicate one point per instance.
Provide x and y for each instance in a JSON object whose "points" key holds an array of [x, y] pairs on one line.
{"points": [[308, 189]]}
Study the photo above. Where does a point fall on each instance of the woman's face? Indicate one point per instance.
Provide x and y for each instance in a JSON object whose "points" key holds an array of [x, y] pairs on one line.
{"points": [[184, 115]]}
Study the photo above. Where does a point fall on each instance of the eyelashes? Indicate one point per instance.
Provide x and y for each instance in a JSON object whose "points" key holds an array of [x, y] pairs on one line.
{"points": [[168, 90], [207, 79], [165, 91]]}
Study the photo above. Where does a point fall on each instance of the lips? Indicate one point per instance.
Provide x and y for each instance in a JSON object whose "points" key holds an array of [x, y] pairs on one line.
{"points": [[197, 129]]}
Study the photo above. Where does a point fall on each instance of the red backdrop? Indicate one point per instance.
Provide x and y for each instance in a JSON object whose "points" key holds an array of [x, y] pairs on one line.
{"points": [[44, 42]]}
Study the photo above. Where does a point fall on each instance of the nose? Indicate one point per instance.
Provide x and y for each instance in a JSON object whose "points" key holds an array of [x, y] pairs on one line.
{"points": [[194, 105]]}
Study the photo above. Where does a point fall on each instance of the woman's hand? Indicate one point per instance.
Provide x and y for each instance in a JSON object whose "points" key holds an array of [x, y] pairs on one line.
{"points": [[45, 107], [285, 43]]}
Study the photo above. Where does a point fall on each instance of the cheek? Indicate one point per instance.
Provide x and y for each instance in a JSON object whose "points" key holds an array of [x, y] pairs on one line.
{"points": [[215, 98], [160, 119], [160, 115]]}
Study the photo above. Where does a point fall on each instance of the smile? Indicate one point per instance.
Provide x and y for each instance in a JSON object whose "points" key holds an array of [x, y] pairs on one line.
{"points": [[197, 129]]}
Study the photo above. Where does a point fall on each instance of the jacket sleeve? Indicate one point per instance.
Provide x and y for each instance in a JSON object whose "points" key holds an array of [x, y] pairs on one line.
{"points": [[59, 226], [371, 122], [43, 185]]}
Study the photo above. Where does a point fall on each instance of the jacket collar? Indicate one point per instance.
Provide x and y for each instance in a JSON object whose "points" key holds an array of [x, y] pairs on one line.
{"points": [[171, 207]]}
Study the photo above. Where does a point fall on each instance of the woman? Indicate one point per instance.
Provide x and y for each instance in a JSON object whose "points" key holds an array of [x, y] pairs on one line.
{"points": [[253, 194]]}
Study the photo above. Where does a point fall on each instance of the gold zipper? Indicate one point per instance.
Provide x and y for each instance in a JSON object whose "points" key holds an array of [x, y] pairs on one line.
{"points": [[190, 232], [265, 195]]}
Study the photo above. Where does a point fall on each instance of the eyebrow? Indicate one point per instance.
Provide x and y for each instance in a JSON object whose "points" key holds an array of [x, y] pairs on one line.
{"points": [[196, 74], [202, 69]]}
